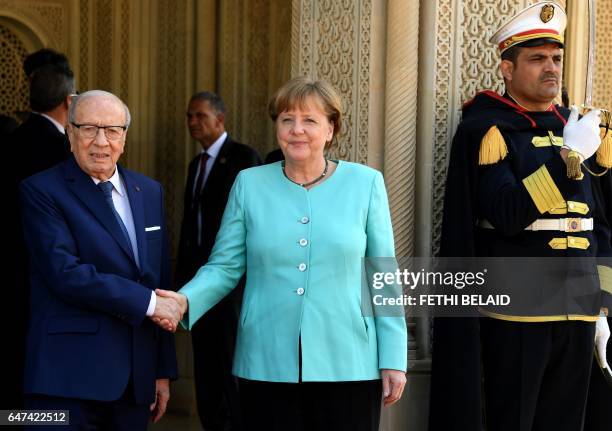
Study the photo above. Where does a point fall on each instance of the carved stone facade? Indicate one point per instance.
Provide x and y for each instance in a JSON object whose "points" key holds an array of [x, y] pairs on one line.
{"points": [[403, 68], [332, 40], [13, 82], [253, 63], [602, 96]]}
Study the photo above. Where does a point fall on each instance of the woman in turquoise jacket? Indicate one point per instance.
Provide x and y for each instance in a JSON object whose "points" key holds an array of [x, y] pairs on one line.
{"points": [[307, 356]]}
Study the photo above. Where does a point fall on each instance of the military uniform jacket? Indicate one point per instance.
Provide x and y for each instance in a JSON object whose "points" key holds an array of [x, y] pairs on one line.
{"points": [[528, 183]]}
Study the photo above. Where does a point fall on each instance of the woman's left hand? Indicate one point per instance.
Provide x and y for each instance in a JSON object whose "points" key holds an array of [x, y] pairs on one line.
{"points": [[393, 382]]}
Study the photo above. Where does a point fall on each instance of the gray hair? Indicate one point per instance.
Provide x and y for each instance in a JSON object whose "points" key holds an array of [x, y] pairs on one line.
{"points": [[96, 93]]}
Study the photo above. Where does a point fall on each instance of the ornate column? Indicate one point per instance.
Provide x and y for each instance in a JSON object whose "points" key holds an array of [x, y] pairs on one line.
{"points": [[400, 118]]}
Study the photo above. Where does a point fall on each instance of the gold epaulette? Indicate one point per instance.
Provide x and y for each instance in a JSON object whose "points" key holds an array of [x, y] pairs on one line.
{"points": [[492, 147], [604, 153]]}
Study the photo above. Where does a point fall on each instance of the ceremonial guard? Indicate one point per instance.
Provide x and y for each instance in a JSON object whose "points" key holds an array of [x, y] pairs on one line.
{"points": [[523, 180]]}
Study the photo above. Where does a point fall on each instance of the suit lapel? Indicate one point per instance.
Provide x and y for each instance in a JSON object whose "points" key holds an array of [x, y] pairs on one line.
{"points": [[137, 205], [86, 191], [219, 167], [191, 173]]}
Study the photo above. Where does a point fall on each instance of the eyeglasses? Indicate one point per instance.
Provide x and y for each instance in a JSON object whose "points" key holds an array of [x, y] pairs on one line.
{"points": [[89, 131]]}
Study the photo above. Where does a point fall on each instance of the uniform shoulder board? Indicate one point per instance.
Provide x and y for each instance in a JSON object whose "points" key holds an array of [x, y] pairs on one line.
{"points": [[492, 147]]}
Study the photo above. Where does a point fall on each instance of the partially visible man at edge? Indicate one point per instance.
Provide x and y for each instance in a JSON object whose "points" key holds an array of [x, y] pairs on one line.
{"points": [[501, 188], [37, 144]]}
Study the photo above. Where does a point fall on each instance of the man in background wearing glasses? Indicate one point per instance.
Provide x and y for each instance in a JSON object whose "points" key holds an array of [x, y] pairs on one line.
{"points": [[98, 248]]}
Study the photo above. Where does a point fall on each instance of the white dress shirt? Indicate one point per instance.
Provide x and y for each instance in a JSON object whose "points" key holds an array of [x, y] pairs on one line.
{"points": [[122, 206], [54, 121], [213, 153]]}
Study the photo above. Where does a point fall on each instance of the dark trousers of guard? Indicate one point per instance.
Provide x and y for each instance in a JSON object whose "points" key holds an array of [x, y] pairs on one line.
{"points": [[213, 338], [311, 406], [536, 375]]}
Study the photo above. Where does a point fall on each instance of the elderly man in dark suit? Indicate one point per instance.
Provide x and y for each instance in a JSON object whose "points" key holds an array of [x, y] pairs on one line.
{"points": [[209, 180], [97, 241]]}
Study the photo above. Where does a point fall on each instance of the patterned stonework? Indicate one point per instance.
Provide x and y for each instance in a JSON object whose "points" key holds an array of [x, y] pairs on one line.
{"points": [[253, 41], [169, 130], [85, 9], [103, 44], [46, 16], [603, 56], [333, 43], [125, 43], [255, 106], [13, 83]]}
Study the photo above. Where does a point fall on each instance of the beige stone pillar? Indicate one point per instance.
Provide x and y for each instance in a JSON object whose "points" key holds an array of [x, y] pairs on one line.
{"points": [[576, 50], [400, 119]]}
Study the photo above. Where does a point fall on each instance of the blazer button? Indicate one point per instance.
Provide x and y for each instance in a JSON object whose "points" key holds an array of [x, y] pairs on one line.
{"points": [[302, 267], [300, 291], [303, 242], [304, 220]]}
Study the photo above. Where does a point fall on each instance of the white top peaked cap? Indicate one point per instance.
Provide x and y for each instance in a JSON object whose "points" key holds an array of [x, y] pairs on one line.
{"points": [[542, 20]]}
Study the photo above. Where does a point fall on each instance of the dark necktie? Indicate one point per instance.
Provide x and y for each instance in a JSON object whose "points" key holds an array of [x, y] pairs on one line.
{"points": [[197, 192], [196, 206], [107, 189]]}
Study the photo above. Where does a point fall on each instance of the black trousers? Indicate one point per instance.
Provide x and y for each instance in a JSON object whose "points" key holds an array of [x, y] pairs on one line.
{"points": [[311, 406], [213, 338], [536, 375]]}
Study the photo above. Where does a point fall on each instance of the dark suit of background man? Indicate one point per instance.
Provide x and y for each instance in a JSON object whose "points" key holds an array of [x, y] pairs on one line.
{"points": [[37, 144], [209, 180], [97, 241]]}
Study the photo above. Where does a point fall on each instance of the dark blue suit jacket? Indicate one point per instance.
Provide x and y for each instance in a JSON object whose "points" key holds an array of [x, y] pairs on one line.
{"points": [[88, 331]]}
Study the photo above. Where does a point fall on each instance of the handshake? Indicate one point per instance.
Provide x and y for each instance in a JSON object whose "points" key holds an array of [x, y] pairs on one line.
{"points": [[169, 309]]}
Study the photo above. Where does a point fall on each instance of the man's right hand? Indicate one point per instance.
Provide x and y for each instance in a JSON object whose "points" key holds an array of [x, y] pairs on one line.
{"points": [[582, 135], [167, 313], [171, 306]]}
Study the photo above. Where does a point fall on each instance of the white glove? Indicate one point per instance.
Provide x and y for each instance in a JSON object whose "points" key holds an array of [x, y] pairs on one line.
{"points": [[602, 335], [582, 135]]}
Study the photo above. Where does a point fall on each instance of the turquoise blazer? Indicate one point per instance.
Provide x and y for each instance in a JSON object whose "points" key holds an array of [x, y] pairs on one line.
{"points": [[302, 251]]}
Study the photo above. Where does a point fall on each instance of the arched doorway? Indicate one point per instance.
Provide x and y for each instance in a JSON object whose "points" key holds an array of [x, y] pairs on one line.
{"points": [[16, 42]]}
